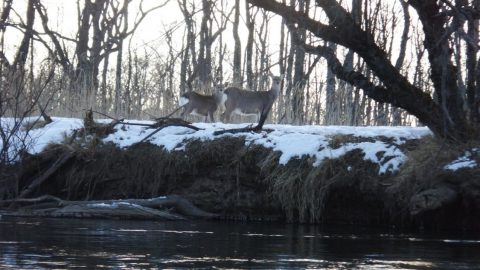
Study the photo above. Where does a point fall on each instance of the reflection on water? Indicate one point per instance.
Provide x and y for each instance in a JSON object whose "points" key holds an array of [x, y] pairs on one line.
{"points": [[89, 244]]}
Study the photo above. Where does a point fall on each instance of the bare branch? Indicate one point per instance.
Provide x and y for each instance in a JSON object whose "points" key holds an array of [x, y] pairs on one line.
{"points": [[60, 51], [142, 16]]}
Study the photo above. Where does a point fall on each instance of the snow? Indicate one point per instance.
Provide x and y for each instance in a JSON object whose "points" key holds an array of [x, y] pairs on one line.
{"points": [[54, 132], [103, 205], [37, 139], [291, 141], [465, 161]]}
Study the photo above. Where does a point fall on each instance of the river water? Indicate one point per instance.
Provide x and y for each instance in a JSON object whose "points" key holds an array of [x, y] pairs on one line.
{"points": [[112, 244]]}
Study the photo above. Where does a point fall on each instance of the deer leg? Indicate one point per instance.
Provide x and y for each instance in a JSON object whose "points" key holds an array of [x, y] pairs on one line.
{"points": [[187, 110], [211, 117], [226, 115], [263, 117]]}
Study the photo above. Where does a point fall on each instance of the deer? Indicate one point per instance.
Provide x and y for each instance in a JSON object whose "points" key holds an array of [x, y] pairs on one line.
{"points": [[245, 102], [201, 105]]}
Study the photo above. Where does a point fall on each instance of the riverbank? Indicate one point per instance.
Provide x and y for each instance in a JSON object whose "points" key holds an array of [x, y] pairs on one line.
{"points": [[397, 177]]}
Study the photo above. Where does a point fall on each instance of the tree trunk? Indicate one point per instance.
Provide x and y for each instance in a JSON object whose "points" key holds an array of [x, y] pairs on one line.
{"points": [[237, 52], [118, 80], [249, 46], [472, 67], [184, 65], [281, 66], [6, 8], [203, 68], [104, 85], [298, 113], [330, 108], [189, 48], [22, 52]]}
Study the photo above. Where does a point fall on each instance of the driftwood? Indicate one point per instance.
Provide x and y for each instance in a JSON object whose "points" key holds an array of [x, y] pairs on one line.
{"points": [[432, 199], [256, 129], [163, 122], [249, 128], [38, 181], [160, 123], [112, 211], [50, 206], [92, 127]]}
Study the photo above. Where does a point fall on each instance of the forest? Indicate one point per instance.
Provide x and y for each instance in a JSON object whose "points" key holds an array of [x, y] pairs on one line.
{"points": [[344, 62], [327, 63]]}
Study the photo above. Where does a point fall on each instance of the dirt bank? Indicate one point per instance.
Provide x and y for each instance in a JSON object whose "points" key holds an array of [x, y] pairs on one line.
{"points": [[237, 180]]}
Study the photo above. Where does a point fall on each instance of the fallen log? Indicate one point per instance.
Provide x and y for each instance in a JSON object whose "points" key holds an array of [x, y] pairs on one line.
{"points": [[50, 206], [100, 210]]}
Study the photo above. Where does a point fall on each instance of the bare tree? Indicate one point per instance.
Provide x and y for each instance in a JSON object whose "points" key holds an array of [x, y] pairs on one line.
{"points": [[102, 28], [444, 115]]}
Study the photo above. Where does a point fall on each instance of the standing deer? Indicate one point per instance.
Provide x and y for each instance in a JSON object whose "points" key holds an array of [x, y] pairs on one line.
{"points": [[246, 102], [201, 105]]}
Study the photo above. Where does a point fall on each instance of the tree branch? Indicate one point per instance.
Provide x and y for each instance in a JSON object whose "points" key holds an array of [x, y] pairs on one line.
{"points": [[396, 89], [355, 78], [60, 52]]}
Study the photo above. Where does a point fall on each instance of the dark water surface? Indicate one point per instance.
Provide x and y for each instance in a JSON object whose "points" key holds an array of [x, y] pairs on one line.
{"points": [[96, 244]]}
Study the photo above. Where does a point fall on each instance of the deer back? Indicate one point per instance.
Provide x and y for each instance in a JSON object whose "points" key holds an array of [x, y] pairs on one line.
{"points": [[247, 101]]}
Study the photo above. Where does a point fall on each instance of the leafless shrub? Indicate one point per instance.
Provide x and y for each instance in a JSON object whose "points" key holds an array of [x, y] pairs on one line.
{"points": [[20, 101]]}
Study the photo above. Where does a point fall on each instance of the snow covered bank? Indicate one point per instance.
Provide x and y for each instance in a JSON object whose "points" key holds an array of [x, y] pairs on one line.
{"points": [[379, 144], [326, 173]]}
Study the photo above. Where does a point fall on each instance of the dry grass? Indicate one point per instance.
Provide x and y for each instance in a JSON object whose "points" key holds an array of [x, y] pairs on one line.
{"points": [[303, 190], [337, 141], [425, 169]]}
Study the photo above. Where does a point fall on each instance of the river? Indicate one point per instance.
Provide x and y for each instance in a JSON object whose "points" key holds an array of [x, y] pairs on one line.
{"points": [[32, 243]]}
